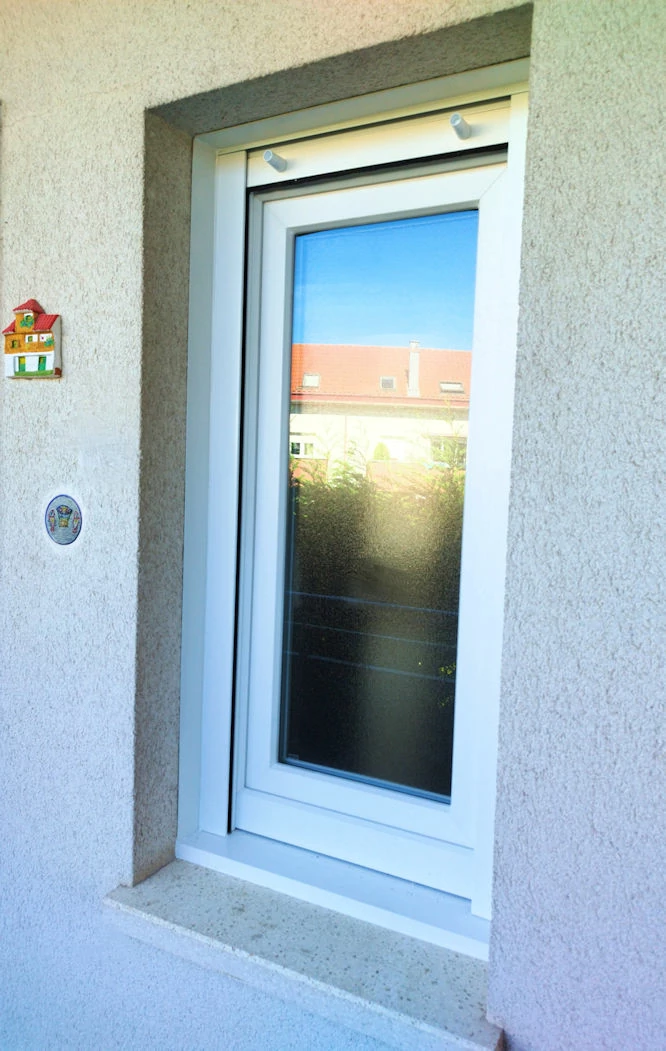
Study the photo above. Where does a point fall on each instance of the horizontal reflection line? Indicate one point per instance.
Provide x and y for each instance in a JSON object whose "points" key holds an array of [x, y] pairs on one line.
{"points": [[369, 634], [373, 667], [374, 602]]}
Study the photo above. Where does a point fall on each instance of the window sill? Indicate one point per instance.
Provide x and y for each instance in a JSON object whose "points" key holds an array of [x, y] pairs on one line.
{"points": [[375, 897], [403, 991]]}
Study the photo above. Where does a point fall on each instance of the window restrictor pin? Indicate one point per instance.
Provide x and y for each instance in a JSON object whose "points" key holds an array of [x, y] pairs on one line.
{"points": [[275, 161], [459, 125]]}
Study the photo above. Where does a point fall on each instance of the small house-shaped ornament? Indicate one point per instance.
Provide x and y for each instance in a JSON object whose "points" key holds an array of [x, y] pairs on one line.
{"points": [[32, 344]]}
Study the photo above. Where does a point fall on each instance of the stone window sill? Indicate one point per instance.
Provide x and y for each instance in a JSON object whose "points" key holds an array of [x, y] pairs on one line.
{"points": [[412, 995]]}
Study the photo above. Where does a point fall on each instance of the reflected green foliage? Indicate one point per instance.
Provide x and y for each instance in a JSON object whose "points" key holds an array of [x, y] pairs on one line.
{"points": [[381, 452], [393, 536]]}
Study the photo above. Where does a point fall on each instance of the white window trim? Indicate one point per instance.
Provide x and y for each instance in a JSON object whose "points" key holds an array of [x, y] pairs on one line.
{"points": [[409, 836], [211, 513]]}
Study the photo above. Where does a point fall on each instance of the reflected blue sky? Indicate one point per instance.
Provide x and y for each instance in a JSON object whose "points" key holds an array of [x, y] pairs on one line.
{"points": [[387, 283]]}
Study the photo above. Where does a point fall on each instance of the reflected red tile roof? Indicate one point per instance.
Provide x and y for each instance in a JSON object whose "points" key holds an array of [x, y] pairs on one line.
{"points": [[348, 372]]}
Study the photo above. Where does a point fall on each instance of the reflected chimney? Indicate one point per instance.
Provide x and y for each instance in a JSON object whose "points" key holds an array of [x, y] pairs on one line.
{"points": [[413, 375]]}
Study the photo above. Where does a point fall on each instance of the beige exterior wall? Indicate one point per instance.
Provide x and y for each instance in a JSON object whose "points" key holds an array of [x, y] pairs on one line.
{"points": [[90, 707], [577, 954]]}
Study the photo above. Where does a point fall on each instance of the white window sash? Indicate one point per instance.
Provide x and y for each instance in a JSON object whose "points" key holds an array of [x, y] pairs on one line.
{"points": [[261, 779], [211, 513]]}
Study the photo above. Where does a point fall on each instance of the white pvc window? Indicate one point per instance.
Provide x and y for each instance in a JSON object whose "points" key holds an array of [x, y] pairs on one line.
{"points": [[413, 829], [440, 839]]}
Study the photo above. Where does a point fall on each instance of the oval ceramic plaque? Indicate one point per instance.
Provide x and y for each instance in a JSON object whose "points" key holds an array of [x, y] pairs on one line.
{"points": [[63, 519]]}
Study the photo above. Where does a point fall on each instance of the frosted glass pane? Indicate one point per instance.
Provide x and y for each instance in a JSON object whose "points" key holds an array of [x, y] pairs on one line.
{"points": [[380, 389]]}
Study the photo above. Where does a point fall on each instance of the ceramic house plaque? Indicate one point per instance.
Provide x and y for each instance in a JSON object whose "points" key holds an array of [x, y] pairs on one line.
{"points": [[32, 344]]}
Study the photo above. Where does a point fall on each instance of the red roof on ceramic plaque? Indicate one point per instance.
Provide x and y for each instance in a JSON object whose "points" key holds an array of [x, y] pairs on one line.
{"points": [[30, 304], [44, 322]]}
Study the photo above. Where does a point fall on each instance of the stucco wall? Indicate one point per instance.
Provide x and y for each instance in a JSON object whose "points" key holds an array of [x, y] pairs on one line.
{"points": [[578, 946], [94, 224]]}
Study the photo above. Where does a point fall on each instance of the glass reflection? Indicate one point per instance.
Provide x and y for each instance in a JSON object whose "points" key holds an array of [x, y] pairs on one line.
{"points": [[377, 448]]}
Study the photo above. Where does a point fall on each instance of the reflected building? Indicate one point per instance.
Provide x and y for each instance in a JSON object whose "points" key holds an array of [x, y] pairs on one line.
{"points": [[392, 413]]}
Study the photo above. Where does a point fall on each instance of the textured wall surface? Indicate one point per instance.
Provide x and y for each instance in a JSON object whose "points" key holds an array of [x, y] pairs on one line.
{"points": [[94, 215], [166, 242], [578, 935]]}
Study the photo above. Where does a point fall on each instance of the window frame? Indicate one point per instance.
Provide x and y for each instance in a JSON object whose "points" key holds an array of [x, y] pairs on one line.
{"points": [[219, 185], [363, 823]]}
